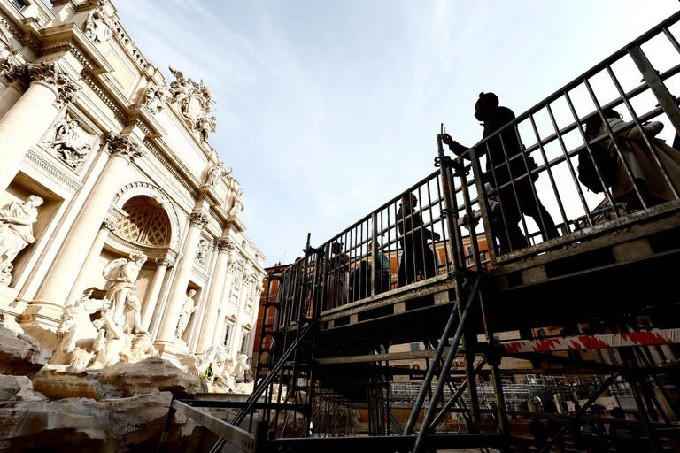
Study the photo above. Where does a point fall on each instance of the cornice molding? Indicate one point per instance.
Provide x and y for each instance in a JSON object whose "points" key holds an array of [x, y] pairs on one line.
{"points": [[56, 171]]}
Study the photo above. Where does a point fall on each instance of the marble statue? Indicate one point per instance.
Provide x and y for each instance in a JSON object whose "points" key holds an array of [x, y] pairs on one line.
{"points": [[141, 347], [77, 333], [16, 232], [241, 370], [206, 125], [121, 275], [111, 342], [238, 204], [188, 307]]}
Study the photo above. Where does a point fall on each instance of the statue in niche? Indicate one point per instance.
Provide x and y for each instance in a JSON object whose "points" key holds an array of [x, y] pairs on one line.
{"points": [[188, 307], [121, 275], [68, 142], [16, 232], [96, 28]]}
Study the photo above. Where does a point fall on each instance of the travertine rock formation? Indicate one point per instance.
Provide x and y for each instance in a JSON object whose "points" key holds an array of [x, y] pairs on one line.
{"points": [[121, 408]]}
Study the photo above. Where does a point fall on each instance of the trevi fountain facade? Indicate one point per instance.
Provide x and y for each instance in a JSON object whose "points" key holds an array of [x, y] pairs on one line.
{"points": [[125, 270]]}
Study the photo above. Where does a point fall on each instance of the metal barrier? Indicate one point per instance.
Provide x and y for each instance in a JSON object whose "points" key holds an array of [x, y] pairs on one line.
{"points": [[408, 235], [517, 194]]}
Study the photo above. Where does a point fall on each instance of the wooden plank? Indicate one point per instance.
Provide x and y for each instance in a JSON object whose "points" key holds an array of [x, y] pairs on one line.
{"points": [[405, 355], [232, 434]]}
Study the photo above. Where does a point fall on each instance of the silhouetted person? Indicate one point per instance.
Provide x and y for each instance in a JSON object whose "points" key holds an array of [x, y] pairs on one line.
{"points": [[338, 262], [417, 258], [507, 161], [360, 282], [382, 269]]}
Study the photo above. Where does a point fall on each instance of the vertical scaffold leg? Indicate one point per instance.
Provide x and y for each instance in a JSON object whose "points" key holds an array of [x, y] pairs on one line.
{"points": [[472, 296]]}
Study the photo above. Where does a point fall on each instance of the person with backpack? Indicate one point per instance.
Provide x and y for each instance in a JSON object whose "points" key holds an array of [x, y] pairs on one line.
{"points": [[626, 162], [508, 175]]}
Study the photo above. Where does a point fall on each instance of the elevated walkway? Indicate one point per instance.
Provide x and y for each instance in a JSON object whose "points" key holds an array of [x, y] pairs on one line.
{"points": [[326, 343]]}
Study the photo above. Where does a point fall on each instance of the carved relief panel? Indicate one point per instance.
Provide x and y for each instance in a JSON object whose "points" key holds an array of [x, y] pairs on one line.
{"points": [[68, 142]]}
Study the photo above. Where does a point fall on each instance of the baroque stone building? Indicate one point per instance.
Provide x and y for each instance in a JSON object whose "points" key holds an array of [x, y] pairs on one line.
{"points": [[116, 214]]}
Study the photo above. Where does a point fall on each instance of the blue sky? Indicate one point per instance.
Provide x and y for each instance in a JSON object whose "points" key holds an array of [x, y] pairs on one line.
{"points": [[327, 109]]}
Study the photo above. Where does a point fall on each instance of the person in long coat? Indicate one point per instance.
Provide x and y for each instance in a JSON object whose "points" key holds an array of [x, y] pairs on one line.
{"points": [[639, 164], [416, 259]]}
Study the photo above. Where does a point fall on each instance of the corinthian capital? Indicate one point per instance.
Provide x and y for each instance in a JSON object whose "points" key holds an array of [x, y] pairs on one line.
{"points": [[198, 218], [165, 261], [124, 146], [223, 244], [13, 70], [51, 75]]}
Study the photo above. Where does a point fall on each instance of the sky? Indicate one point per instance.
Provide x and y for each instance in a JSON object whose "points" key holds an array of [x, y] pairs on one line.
{"points": [[328, 109]]}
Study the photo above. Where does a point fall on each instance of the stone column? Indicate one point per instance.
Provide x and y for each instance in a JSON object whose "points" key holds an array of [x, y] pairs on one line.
{"points": [[214, 300], [26, 121], [154, 291], [71, 257], [166, 333], [92, 256], [216, 336]]}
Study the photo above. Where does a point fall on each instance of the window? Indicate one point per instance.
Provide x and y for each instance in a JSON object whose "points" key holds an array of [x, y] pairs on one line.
{"points": [[20, 4], [227, 332], [246, 341]]}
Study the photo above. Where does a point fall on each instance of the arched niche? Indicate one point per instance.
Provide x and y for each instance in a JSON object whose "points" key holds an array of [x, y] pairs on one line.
{"points": [[150, 206]]}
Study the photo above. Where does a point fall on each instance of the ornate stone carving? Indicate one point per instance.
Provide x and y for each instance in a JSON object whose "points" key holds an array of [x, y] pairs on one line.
{"points": [[202, 251], [213, 174], [198, 218], [69, 142], [13, 70], [77, 333], [193, 100], [97, 27], [123, 145], [16, 232], [121, 275], [205, 125], [155, 98], [89, 337], [166, 261], [218, 369], [50, 73], [224, 244], [188, 307], [110, 223]]}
